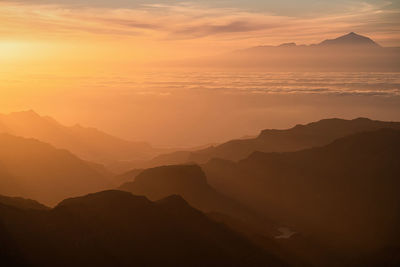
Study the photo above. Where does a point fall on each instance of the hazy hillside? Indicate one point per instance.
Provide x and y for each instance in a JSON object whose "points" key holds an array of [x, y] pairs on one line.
{"points": [[296, 138], [115, 228], [345, 194], [37, 170], [87, 143], [128, 176]]}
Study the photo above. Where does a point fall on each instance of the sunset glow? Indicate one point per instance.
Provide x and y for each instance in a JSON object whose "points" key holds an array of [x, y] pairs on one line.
{"points": [[149, 31], [240, 133]]}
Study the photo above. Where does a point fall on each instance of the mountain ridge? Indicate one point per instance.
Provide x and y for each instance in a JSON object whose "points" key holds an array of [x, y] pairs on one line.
{"points": [[115, 228], [87, 143], [297, 137], [38, 170], [189, 182], [349, 39], [347, 53], [22, 203]]}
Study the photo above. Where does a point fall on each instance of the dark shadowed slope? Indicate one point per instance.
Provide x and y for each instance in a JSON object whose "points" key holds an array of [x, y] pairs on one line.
{"points": [[87, 143], [115, 228], [190, 182], [345, 195], [299, 137], [39, 171]]}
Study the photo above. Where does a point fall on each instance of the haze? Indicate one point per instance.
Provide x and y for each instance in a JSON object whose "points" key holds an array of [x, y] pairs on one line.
{"points": [[240, 133]]}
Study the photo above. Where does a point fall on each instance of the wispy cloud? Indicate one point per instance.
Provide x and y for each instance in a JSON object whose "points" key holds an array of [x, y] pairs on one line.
{"points": [[203, 30]]}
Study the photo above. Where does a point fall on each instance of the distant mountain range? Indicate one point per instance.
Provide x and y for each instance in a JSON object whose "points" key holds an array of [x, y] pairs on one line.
{"points": [[321, 194], [296, 138], [350, 52], [115, 228], [349, 41], [87, 143]]}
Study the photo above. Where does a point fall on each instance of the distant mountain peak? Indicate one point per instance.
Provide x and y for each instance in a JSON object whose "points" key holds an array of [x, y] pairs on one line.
{"points": [[350, 39]]}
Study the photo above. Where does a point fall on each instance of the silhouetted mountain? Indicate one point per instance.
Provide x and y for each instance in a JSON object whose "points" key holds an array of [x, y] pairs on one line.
{"points": [[115, 228], [39, 171], [22, 203], [351, 39], [351, 52], [296, 138], [188, 181], [344, 195], [87, 143]]}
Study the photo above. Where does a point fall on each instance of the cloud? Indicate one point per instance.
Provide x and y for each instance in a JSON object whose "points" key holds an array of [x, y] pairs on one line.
{"points": [[210, 29]]}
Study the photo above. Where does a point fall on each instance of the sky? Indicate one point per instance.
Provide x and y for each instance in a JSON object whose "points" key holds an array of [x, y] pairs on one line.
{"points": [[83, 61], [148, 30]]}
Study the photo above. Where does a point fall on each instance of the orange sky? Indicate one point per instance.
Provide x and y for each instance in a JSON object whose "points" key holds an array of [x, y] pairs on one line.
{"points": [[48, 32]]}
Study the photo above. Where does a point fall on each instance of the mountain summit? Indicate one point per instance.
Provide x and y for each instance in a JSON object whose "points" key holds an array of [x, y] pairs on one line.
{"points": [[188, 181], [350, 52], [350, 40]]}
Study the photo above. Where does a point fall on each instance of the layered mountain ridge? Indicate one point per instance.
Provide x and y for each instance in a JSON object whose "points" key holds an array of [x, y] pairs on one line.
{"points": [[37, 170], [296, 138], [344, 194], [87, 143]]}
